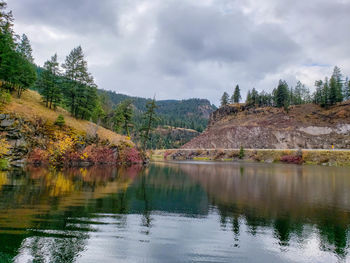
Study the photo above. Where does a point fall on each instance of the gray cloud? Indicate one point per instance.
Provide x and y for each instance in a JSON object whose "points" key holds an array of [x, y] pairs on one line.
{"points": [[79, 16], [187, 48]]}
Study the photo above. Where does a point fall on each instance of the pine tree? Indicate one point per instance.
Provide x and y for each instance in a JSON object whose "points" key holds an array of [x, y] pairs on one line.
{"points": [[336, 86], [80, 89], [17, 72], [224, 99], [149, 118], [281, 95], [347, 89], [236, 97], [123, 117], [49, 83], [255, 97], [25, 48], [249, 100]]}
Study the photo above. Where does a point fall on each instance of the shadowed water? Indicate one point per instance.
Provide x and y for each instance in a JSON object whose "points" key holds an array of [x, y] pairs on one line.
{"points": [[176, 212]]}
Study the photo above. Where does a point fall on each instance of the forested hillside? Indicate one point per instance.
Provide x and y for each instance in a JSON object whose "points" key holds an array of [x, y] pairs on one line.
{"points": [[190, 114]]}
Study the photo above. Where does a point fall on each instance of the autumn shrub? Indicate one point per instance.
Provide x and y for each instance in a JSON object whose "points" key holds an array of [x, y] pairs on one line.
{"points": [[4, 147], [99, 154], [292, 159], [130, 156], [38, 156], [59, 146], [233, 154], [219, 154]]}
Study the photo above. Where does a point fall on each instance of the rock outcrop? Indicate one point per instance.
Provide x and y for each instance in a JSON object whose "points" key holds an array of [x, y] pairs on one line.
{"points": [[304, 126]]}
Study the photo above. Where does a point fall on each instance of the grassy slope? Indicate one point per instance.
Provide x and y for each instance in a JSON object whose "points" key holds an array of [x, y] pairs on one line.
{"points": [[30, 106]]}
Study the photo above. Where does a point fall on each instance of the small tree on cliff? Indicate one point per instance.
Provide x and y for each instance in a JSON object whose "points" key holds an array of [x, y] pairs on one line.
{"points": [[224, 99], [236, 97], [281, 95]]}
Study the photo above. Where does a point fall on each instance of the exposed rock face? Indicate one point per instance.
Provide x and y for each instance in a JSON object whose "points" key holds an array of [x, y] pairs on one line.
{"points": [[304, 126]]}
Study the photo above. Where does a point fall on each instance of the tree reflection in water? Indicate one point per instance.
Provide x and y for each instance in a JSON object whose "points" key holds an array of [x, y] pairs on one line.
{"points": [[49, 216]]}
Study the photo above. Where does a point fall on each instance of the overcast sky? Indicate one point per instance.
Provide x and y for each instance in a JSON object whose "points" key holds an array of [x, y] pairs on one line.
{"points": [[191, 48]]}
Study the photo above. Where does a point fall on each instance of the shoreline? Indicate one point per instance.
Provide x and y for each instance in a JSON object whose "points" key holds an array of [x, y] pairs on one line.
{"points": [[336, 157]]}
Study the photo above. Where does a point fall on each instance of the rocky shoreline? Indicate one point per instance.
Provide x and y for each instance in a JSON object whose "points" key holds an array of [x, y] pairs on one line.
{"points": [[293, 156], [41, 142]]}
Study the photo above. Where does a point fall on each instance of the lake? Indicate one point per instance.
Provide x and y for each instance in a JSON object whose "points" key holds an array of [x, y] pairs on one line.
{"points": [[176, 212]]}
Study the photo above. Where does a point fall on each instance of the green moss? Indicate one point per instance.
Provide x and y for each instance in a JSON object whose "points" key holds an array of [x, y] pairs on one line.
{"points": [[4, 164]]}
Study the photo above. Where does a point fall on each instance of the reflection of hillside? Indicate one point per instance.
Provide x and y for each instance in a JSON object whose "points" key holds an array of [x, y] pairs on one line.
{"points": [[274, 188], [285, 199], [42, 200], [73, 187]]}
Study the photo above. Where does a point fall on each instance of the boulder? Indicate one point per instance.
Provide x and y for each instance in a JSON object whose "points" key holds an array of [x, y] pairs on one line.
{"points": [[6, 123]]}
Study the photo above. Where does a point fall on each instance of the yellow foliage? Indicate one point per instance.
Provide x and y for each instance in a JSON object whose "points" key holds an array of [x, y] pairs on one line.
{"points": [[84, 156], [61, 144], [4, 147], [3, 179], [61, 185]]}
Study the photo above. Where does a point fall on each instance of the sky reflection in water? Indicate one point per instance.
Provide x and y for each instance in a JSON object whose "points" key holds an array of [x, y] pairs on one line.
{"points": [[178, 212]]}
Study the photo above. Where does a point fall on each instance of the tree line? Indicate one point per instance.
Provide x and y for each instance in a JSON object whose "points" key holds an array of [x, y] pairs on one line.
{"points": [[328, 92], [17, 71], [68, 85]]}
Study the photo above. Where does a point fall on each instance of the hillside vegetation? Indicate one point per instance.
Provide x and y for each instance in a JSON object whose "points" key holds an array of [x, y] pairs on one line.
{"points": [[31, 107], [190, 113], [33, 133]]}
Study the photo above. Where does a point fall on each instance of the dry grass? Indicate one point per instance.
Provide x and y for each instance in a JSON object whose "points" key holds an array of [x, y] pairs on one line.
{"points": [[31, 107]]}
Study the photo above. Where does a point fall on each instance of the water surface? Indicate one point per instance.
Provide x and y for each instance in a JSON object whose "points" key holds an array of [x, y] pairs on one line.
{"points": [[176, 212]]}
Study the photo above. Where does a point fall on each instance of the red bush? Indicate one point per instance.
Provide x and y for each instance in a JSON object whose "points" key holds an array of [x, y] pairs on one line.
{"points": [[291, 159], [99, 154], [38, 156], [130, 155]]}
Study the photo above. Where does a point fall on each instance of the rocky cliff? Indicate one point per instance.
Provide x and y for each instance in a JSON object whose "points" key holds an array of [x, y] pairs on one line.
{"points": [[303, 126]]}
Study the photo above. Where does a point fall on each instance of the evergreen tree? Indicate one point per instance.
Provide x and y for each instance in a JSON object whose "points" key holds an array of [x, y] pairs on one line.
{"points": [[319, 92], [249, 100], [80, 90], [123, 117], [336, 86], [25, 49], [347, 90], [224, 99], [255, 97], [49, 83], [281, 95], [149, 119], [98, 113], [15, 70], [236, 97]]}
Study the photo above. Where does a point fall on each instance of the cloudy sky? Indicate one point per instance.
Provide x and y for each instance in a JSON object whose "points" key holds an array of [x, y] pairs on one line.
{"points": [[188, 48]]}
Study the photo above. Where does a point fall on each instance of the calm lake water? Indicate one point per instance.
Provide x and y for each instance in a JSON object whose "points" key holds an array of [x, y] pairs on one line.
{"points": [[176, 212]]}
